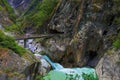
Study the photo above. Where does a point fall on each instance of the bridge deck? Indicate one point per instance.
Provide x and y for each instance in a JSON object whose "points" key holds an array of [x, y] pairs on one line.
{"points": [[33, 36]]}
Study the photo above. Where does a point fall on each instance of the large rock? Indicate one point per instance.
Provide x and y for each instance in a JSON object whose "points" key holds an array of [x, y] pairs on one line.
{"points": [[87, 45], [82, 26], [108, 67], [14, 67]]}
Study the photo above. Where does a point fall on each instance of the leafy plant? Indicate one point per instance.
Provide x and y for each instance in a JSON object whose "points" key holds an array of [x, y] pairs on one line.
{"points": [[89, 76], [39, 78]]}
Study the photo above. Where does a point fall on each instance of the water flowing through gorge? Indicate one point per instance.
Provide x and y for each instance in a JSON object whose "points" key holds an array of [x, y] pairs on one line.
{"points": [[58, 72], [67, 73], [60, 39]]}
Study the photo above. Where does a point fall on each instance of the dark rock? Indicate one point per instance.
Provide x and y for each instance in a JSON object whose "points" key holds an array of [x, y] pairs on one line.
{"points": [[83, 24]]}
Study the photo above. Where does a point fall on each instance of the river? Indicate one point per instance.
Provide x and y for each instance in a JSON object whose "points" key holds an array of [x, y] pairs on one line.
{"points": [[58, 72]]}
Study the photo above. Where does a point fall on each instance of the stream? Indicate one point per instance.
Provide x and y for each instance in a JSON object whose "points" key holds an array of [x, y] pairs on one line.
{"points": [[58, 72]]}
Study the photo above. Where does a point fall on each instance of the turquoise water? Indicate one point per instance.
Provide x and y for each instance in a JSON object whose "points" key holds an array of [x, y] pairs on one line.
{"points": [[61, 73], [55, 66]]}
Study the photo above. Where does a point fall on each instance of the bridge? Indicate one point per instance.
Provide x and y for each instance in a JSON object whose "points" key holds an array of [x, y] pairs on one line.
{"points": [[31, 36], [22, 37]]}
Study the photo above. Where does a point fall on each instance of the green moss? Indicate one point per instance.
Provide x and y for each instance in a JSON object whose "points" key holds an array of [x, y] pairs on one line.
{"points": [[116, 43], [1, 8], [9, 42], [30, 56], [109, 52]]}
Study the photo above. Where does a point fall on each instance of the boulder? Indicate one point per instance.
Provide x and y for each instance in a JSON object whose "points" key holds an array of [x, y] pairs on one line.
{"points": [[108, 67], [15, 67]]}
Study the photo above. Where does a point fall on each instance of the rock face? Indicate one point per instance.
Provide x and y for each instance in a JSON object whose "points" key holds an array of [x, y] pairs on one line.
{"points": [[81, 25], [84, 30], [17, 3], [14, 67], [108, 67], [20, 6], [4, 15]]}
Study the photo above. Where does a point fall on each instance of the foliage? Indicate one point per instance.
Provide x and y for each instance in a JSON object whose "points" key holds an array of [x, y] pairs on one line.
{"points": [[40, 13], [9, 42], [9, 9], [39, 78], [116, 43], [14, 28], [89, 76], [36, 15], [117, 20]]}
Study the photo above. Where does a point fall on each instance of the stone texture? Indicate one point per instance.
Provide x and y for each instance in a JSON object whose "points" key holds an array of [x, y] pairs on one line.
{"points": [[14, 67], [81, 25], [108, 68]]}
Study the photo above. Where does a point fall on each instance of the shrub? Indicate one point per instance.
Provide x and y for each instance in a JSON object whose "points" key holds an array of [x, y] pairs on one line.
{"points": [[89, 76], [9, 42]]}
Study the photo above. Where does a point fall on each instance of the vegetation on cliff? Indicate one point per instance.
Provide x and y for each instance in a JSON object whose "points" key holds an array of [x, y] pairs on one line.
{"points": [[9, 42], [5, 5], [41, 12], [35, 16], [116, 43]]}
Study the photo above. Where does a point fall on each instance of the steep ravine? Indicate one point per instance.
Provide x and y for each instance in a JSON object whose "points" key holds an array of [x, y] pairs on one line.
{"points": [[86, 34], [56, 69], [87, 30]]}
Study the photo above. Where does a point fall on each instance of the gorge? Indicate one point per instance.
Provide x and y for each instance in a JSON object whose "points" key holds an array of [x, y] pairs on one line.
{"points": [[63, 39]]}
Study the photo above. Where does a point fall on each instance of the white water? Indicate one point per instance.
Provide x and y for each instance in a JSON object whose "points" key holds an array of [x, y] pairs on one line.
{"points": [[56, 66], [72, 71]]}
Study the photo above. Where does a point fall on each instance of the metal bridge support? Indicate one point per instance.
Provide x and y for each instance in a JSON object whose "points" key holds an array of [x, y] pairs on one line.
{"points": [[25, 43]]}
